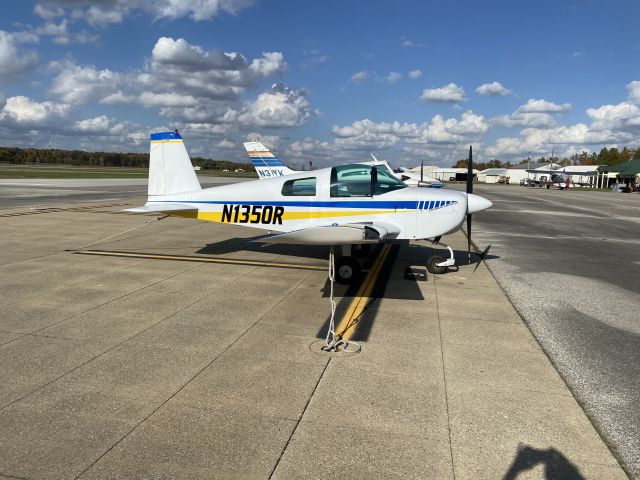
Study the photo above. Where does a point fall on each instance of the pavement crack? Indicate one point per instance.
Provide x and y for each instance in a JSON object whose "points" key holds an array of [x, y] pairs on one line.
{"points": [[197, 373], [444, 378], [295, 428]]}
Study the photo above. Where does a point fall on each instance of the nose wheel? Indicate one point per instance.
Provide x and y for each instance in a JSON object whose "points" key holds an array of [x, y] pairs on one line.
{"points": [[433, 264], [437, 264]]}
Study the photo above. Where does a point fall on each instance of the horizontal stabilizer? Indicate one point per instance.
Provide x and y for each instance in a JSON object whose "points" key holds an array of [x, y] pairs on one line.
{"points": [[163, 207], [352, 233]]}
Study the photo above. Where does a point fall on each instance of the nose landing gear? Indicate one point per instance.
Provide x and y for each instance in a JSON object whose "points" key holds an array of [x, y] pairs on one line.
{"points": [[437, 264]]}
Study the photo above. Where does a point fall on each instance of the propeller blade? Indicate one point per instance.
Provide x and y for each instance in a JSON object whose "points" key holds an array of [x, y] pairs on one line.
{"points": [[422, 171], [470, 171], [469, 190], [469, 236]]}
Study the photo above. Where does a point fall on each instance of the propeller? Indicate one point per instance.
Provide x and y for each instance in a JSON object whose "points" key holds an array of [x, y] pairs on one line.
{"points": [[469, 190], [422, 170]]}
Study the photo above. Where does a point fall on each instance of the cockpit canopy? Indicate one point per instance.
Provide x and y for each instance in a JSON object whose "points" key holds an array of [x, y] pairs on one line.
{"points": [[357, 180]]}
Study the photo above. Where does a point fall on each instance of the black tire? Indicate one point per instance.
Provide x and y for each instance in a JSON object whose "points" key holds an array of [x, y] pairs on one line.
{"points": [[432, 265], [361, 250], [347, 270]]}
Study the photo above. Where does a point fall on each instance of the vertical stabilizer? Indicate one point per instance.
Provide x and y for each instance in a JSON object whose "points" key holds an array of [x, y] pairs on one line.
{"points": [[170, 168], [266, 163]]}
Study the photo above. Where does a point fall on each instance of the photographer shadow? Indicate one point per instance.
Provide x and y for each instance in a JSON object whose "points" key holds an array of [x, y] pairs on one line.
{"points": [[556, 465]]}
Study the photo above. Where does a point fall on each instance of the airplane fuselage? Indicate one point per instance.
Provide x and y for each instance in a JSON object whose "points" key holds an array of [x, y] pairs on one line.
{"points": [[267, 204]]}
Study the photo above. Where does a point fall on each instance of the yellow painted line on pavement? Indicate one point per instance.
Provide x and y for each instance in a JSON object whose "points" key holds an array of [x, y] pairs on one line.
{"points": [[184, 258], [350, 319]]}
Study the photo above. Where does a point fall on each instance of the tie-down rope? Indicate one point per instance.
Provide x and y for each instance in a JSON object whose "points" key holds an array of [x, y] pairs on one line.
{"points": [[118, 234], [333, 342]]}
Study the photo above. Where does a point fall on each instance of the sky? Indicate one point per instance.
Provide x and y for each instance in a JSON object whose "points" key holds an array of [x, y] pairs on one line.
{"points": [[326, 81]]}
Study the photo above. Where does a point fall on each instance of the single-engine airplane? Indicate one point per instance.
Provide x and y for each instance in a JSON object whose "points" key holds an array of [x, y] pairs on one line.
{"points": [[345, 205], [267, 165], [562, 177]]}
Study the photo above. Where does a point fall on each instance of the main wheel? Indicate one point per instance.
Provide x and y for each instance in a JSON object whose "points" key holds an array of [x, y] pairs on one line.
{"points": [[346, 270], [361, 250], [432, 264]]}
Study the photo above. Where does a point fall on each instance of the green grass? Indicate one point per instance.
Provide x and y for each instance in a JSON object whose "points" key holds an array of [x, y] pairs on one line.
{"points": [[70, 171]]}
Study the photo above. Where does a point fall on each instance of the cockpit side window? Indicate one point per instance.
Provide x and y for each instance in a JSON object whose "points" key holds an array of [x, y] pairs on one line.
{"points": [[303, 187]]}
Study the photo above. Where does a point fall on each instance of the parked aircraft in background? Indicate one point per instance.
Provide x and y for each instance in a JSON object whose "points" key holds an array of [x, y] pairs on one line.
{"points": [[561, 177], [417, 179], [268, 165], [345, 205]]}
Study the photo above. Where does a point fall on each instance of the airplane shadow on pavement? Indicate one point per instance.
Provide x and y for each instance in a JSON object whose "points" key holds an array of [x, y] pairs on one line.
{"points": [[401, 256], [556, 465], [247, 244]]}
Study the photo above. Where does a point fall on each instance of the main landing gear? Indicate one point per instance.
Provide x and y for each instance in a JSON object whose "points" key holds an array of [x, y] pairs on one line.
{"points": [[347, 268], [437, 264]]}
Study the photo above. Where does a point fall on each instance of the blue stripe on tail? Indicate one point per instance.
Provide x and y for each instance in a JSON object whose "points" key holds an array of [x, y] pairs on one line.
{"points": [[266, 162]]}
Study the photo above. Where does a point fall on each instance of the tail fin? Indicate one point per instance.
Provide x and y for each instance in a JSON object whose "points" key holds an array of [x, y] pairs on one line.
{"points": [[170, 168], [266, 163]]}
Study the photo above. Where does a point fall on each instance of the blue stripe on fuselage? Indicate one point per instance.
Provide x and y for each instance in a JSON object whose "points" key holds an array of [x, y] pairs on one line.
{"points": [[378, 204]]}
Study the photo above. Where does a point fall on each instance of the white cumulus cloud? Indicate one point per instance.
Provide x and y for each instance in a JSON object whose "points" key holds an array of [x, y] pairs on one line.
{"points": [[634, 91], [415, 74], [78, 85], [450, 93], [493, 89], [358, 77], [543, 106], [21, 111], [393, 77], [278, 107], [14, 61], [114, 11]]}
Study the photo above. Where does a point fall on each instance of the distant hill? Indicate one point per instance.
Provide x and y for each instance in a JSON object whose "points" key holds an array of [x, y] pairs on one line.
{"points": [[31, 156]]}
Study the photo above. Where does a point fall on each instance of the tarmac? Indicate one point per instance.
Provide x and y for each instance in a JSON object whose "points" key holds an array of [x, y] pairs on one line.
{"points": [[36, 192], [197, 355], [568, 260]]}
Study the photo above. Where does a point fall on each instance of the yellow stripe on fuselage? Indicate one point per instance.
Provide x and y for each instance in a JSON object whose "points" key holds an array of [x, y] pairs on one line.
{"points": [[166, 141], [217, 216]]}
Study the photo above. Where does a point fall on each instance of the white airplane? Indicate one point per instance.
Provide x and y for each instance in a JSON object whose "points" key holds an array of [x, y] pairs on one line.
{"points": [[267, 165], [417, 180], [346, 205], [562, 177]]}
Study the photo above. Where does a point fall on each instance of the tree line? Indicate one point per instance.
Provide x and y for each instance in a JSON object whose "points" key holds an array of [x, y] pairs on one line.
{"points": [[606, 156], [80, 158]]}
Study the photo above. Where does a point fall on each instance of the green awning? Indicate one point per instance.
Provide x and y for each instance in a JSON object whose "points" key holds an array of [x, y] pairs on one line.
{"points": [[629, 169]]}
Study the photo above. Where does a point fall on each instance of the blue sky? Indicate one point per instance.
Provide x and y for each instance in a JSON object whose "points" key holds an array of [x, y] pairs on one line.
{"points": [[326, 81]]}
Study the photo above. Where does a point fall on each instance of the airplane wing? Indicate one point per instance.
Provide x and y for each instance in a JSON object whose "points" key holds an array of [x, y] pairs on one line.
{"points": [[348, 233], [163, 207]]}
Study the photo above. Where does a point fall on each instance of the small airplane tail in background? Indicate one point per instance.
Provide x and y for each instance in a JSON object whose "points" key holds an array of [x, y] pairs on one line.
{"points": [[266, 163], [170, 168]]}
